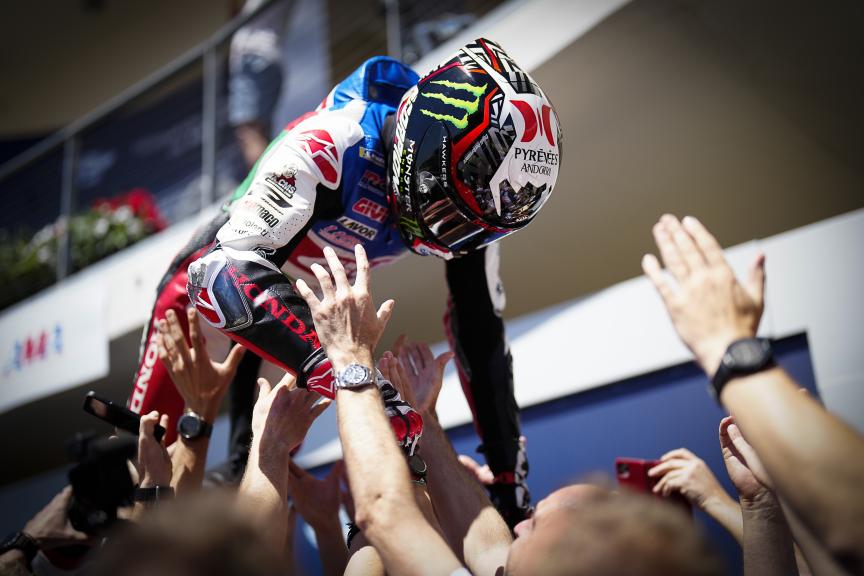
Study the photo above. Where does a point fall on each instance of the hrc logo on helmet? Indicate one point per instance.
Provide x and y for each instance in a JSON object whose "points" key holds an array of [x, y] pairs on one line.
{"points": [[534, 119], [469, 106]]}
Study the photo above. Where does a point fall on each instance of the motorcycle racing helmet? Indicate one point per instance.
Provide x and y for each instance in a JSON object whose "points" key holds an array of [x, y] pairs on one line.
{"points": [[476, 153]]}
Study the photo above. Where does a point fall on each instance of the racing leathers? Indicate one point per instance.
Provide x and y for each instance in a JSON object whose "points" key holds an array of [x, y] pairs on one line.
{"points": [[323, 182]]}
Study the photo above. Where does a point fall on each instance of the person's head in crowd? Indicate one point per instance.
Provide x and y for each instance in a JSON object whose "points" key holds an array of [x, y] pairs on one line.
{"points": [[586, 529], [200, 535]]}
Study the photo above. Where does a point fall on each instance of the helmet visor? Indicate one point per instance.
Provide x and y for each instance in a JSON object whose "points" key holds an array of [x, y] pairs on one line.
{"points": [[443, 221]]}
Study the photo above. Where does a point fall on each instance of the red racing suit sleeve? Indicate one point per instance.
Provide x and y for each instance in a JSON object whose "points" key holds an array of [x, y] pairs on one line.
{"points": [[476, 333]]}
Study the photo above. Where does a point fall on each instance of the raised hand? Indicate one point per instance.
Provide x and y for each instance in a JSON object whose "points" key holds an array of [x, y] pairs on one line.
{"points": [[709, 307], [424, 371], [283, 414], [316, 500], [154, 463], [743, 465], [201, 381], [51, 527], [348, 324], [682, 471]]}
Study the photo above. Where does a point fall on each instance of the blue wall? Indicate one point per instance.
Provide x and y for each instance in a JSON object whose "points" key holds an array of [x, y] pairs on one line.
{"points": [[642, 417]]}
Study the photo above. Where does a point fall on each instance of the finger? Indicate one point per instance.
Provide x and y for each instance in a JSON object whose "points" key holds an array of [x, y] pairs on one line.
{"points": [[229, 366], [725, 441], [175, 332], [288, 380], [385, 311], [336, 269], [361, 279], [337, 470], [706, 242], [672, 484], [755, 284], [681, 453], [194, 331], [163, 421], [319, 408], [669, 252], [167, 342], [413, 362], [651, 267], [666, 467], [384, 366], [397, 346], [296, 470], [264, 387], [160, 347], [307, 294], [400, 373], [324, 281], [658, 486], [420, 358], [443, 359], [690, 253], [738, 440], [147, 423]]}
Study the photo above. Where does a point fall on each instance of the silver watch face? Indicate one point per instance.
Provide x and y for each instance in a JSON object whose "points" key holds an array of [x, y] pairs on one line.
{"points": [[354, 375]]}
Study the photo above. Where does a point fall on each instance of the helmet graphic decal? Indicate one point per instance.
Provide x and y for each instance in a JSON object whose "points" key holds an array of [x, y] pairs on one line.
{"points": [[469, 106], [531, 121], [476, 152]]}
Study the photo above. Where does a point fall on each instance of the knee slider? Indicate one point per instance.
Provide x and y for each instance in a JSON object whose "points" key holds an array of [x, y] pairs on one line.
{"points": [[215, 294]]}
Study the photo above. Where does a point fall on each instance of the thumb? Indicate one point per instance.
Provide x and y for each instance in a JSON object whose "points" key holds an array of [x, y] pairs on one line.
{"points": [[319, 408], [444, 358], [385, 311], [264, 387], [756, 280], [231, 363]]}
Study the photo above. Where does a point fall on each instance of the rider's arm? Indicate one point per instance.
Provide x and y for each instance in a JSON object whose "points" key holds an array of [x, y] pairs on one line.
{"points": [[476, 333]]}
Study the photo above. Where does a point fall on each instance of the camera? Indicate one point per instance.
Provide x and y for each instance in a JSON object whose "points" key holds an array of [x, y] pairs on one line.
{"points": [[100, 480]]}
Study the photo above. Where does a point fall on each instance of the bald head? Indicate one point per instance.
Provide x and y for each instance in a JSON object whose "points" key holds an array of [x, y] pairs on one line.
{"points": [[584, 529]]}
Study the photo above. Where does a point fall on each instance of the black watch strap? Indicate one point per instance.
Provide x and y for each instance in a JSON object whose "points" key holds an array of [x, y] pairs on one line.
{"points": [[417, 467], [742, 357], [153, 494], [20, 541]]}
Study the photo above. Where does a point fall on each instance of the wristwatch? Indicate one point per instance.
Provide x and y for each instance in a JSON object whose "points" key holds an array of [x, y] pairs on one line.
{"points": [[153, 494], [418, 468], [354, 376], [742, 357], [191, 426], [20, 541]]}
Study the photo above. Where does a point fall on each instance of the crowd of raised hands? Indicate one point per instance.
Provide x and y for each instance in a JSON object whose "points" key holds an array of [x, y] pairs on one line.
{"points": [[422, 509]]}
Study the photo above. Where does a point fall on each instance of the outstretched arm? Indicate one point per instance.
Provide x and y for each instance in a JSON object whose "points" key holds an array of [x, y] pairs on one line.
{"points": [[472, 526], [767, 544], [202, 384], [280, 420], [476, 333], [682, 471], [349, 328], [813, 458]]}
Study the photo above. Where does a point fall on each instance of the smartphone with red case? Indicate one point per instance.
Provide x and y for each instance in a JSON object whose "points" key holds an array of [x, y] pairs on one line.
{"points": [[633, 474]]}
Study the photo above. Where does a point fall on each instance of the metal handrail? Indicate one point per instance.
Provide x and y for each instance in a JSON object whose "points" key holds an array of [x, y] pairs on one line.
{"points": [[77, 126]]}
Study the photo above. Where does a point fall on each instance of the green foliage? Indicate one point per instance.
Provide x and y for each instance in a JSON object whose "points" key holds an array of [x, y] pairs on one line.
{"points": [[29, 263]]}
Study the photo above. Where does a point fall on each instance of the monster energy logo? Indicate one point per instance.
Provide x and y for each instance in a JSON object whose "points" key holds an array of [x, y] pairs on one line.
{"points": [[411, 225], [469, 106]]}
